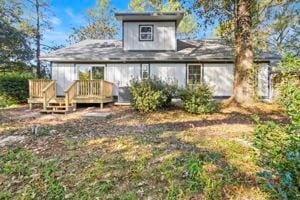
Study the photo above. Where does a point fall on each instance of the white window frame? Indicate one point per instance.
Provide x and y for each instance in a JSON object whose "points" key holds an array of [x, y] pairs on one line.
{"points": [[151, 33], [89, 66], [188, 73], [145, 68]]}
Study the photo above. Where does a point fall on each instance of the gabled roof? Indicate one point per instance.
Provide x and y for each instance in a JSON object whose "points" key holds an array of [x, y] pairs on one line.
{"points": [[150, 16], [208, 50]]}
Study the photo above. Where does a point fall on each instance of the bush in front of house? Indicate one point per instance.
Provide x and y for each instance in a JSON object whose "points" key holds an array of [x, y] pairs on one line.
{"points": [[151, 94], [13, 88], [198, 99]]}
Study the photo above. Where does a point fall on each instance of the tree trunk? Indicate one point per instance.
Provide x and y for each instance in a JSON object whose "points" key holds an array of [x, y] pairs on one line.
{"points": [[38, 39], [243, 89]]}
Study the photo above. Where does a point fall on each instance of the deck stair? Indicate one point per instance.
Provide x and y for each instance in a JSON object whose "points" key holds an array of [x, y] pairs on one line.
{"points": [[57, 105]]}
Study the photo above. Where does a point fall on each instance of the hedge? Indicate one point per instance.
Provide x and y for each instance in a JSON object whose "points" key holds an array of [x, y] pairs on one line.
{"points": [[14, 88]]}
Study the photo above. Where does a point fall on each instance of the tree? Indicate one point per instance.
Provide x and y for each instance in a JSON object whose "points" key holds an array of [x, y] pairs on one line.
{"points": [[36, 23], [237, 14], [15, 52], [247, 23], [187, 28], [100, 24]]}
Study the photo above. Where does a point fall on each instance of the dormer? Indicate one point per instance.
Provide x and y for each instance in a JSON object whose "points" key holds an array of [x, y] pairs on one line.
{"points": [[149, 31]]}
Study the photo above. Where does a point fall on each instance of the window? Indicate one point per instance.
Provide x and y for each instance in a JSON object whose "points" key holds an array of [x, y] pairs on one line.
{"points": [[86, 72], [146, 33], [97, 73], [194, 74], [145, 70]]}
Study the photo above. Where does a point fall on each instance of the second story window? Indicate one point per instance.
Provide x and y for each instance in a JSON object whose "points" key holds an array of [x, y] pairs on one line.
{"points": [[146, 33]]}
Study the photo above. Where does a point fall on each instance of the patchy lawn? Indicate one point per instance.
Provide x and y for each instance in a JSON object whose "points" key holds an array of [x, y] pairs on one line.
{"points": [[163, 155]]}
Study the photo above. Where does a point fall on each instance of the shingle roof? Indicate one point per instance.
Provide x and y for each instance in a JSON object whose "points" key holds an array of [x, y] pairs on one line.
{"points": [[112, 51], [153, 16]]}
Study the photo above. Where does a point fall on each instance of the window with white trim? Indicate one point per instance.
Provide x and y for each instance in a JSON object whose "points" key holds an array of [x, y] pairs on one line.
{"points": [[146, 33], [194, 74], [145, 71]]}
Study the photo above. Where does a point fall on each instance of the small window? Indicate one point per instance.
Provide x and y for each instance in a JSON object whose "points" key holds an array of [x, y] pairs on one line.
{"points": [[146, 32], [145, 71], [194, 74]]}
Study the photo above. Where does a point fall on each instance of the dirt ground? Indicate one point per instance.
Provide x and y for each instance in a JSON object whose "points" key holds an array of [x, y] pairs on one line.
{"points": [[127, 155]]}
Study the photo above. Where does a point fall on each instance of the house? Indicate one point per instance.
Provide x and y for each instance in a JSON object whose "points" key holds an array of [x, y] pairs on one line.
{"points": [[149, 47]]}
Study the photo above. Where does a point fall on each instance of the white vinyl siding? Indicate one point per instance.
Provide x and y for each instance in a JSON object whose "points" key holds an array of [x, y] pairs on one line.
{"points": [[164, 37], [64, 74], [122, 74], [171, 72], [220, 78], [263, 80]]}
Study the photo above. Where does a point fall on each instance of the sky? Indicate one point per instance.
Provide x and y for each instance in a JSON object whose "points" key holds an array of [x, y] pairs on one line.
{"points": [[70, 13]]}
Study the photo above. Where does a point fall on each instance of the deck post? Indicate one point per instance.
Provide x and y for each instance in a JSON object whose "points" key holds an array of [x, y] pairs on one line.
{"points": [[101, 106], [30, 106]]}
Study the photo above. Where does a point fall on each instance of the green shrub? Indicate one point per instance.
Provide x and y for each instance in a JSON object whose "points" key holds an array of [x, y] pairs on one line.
{"points": [[279, 145], [151, 94], [198, 99], [280, 158], [13, 88]]}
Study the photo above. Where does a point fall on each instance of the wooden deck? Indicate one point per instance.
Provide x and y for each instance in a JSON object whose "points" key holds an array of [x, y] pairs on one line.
{"points": [[80, 91]]}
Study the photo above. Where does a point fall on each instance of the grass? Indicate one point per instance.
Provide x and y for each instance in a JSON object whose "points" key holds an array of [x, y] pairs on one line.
{"points": [[164, 155]]}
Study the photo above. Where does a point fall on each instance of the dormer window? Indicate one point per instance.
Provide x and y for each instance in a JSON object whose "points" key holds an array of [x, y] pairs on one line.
{"points": [[146, 32]]}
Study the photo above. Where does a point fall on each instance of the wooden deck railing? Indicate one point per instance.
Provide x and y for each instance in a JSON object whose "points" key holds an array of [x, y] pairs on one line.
{"points": [[94, 88], [70, 93], [44, 90], [36, 87], [49, 92], [88, 88]]}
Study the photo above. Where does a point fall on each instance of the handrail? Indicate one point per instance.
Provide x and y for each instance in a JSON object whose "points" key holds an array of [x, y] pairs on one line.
{"points": [[87, 89], [70, 93], [48, 93], [36, 87]]}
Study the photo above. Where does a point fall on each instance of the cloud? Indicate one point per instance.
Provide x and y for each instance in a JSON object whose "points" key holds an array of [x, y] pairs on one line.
{"points": [[55, 21], [70, 13]]}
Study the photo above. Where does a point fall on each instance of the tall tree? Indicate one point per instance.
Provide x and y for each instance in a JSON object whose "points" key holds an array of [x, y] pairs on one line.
{"points": [[100, 23], [237, 14], [276, 25], [187, 28], [15, 51], [242, 22], [37, 22]]}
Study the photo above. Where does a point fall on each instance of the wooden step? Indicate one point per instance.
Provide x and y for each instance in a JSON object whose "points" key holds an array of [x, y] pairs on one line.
{"points": [[53, 111]]}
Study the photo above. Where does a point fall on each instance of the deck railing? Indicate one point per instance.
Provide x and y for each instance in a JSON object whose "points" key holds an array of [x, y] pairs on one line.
{"points": [[88, 89], [36, 87], [94, 88], [49, 92], [70, 93]]}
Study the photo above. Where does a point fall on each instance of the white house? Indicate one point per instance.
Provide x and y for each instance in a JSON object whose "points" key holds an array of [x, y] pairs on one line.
{"points": [[149, 47]]}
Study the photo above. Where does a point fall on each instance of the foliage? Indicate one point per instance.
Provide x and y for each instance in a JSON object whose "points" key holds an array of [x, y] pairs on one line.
{"points": [[151, 94], [280, 157], [275, 24], [198, 99], [187, 28], [14, 88], [290, 88], [101, 24], [279, 145], [15, 51]]}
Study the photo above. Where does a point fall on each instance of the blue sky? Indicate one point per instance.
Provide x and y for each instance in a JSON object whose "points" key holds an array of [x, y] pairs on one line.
{"points": [[70, 13]]}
